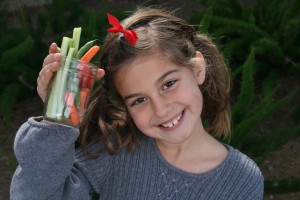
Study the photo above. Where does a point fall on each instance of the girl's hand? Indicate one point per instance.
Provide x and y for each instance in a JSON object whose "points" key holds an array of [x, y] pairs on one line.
{"points": [[50, 66]]}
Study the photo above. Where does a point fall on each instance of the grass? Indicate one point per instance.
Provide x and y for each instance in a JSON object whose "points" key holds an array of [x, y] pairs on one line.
{"points": [[282, 186], [12, 163]]}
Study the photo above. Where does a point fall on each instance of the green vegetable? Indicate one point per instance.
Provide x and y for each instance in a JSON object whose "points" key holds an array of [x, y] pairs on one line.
{"points": [[52, 106], [65, 103], [55, 104], [85, 48]]}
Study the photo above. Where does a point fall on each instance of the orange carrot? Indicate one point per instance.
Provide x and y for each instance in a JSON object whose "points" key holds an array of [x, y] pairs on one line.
{"points": [[74, 117], [87, 57], [85, 75], [83, 97]]}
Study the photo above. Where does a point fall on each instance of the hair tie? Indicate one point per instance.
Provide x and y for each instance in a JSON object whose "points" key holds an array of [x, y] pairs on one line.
{"points": [[130, 35]]}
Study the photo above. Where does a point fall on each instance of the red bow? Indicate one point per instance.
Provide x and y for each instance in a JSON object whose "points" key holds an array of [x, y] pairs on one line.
{"points": [[129, 35]]}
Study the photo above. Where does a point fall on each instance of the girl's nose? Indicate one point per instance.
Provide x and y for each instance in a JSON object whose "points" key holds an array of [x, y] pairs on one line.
{"points": [[160, 106]]}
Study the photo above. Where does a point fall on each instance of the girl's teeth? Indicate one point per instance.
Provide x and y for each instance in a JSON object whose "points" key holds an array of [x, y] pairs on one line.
{"points": [[173, 123]]}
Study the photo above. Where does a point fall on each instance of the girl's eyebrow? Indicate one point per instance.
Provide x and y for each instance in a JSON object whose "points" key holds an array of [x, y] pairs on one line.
{"points": [[165, 75], [159, 80]]}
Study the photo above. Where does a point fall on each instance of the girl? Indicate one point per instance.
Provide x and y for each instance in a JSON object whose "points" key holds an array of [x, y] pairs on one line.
{"points": [[143, 136]]}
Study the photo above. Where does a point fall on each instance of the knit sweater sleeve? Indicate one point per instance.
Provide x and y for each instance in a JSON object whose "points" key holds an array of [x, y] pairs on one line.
{"points": [[47, 167]]}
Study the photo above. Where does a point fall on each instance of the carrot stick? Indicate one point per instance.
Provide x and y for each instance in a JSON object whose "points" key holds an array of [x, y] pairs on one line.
{"points": [[87, 57], [74, 117], [85, 76], [83, 96]]}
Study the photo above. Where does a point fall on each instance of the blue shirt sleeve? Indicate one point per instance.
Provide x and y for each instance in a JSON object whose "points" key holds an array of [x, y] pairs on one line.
{"points": [[46, 170]]}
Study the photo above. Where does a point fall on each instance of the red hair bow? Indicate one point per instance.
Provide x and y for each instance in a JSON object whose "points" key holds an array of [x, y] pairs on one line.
{"points": [[129, 35]]}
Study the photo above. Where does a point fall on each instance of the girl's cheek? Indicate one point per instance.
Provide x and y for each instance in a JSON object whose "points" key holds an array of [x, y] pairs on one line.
{"points": [[134, 116], [139, 123], [140, 118]]}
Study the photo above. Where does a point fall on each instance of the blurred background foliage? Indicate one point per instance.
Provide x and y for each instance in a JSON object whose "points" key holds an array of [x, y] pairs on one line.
{"points": [[260, 42]]}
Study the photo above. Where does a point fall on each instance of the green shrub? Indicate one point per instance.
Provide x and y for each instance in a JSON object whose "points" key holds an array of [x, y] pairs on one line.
{"points": [[18, 72], [271, 27], [23, 48], [282, 186], [259, 45]]}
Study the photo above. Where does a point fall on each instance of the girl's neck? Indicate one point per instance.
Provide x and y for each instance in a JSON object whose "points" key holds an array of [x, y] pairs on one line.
{"points": [[200, 154]]}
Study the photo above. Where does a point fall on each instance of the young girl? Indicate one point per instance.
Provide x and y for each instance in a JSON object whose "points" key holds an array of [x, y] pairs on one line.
{"points": [[148, 131]]}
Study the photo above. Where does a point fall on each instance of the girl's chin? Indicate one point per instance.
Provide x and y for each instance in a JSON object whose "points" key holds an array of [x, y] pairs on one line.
{"points": [[173, 140]]}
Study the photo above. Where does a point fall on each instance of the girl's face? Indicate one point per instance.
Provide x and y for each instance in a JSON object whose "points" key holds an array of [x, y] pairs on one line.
{"points": [[163, 99]]}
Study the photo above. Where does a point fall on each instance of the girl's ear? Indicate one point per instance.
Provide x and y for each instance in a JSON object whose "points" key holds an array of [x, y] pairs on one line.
{"points": [[199, 67]]}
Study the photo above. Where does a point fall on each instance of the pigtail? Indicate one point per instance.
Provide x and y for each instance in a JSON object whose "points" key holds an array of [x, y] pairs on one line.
{"points": [[216, 88], [105, 122]]}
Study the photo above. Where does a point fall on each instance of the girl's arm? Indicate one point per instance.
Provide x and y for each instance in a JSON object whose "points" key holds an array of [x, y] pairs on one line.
{"points": [[46, 154]]}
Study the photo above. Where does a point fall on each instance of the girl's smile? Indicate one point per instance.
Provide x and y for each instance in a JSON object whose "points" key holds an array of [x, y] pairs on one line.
{"points": [[163, 98], [174, 123]]}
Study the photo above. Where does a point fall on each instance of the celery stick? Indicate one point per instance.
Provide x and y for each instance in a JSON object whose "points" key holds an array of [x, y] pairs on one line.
{"points": [[69, 48], [67, 113], [75, 90], [65, 45], [76, 39], [52, 106], [63, 84], [51, 103]]}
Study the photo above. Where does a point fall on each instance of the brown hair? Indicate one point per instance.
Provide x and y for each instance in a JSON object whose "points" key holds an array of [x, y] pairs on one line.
{"points": [[107, 118]]}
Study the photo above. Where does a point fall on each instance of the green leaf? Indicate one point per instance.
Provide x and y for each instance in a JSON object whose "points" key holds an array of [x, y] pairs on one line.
{"points": [[243, 129], [206, 20], [246, 94], [16, 53], [228, 26], [8, 98]]}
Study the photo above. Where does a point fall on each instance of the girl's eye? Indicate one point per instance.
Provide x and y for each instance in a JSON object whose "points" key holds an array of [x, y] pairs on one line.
{"points": [[169, 84], [138, 101]]}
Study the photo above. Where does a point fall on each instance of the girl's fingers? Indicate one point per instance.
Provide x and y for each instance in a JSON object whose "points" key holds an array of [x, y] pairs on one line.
{"points": [[51, 62], [53, 67], [44, 79], [50, 65], [45, 72], [53, 48], [51, 58], [43, 84], [100, 74]]}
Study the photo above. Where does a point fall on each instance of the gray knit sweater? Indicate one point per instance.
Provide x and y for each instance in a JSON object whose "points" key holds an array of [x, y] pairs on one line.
{"points": [[51, 168]]}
